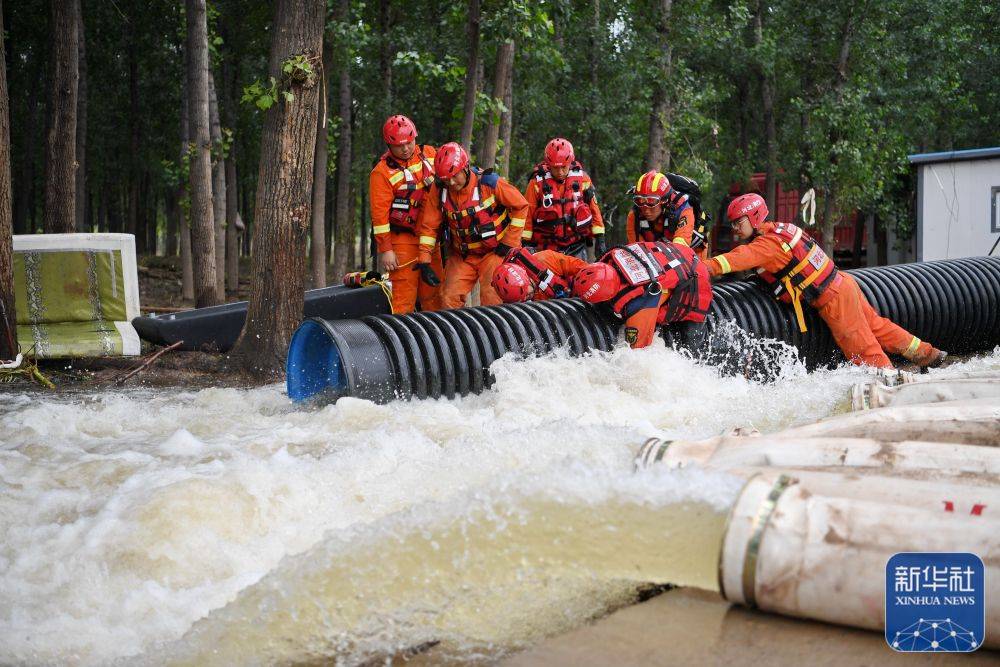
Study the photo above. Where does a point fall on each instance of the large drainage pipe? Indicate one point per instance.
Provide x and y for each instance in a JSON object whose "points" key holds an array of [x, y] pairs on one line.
{"points": [[787, 543], [953, 303]]}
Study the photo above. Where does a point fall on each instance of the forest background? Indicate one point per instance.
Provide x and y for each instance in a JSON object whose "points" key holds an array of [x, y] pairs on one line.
{"points": [[830, 95]]}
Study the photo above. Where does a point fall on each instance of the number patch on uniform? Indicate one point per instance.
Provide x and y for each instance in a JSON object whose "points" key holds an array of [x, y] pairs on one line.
{"points": [[631, 335], [817, 257]]}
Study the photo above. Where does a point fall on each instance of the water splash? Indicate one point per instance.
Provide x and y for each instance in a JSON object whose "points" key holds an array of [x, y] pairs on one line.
{"points": [[128, 517]]}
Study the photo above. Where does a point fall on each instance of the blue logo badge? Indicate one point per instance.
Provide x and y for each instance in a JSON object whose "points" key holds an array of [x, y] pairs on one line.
{"points": [[934, 602]]}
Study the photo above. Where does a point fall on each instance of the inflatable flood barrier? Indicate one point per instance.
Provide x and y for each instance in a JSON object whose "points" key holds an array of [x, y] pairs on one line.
{"points": [[955, 304], [216, 328]]}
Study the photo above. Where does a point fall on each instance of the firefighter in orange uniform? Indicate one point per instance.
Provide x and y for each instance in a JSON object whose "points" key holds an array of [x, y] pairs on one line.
{"points": [[648, 284], [660, 213], [787, 258], [485, 217], [399, 184], [544, 275], [563, 214]]}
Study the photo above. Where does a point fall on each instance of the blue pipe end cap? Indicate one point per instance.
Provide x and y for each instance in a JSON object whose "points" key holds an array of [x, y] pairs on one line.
{"points": [[313, 365]]}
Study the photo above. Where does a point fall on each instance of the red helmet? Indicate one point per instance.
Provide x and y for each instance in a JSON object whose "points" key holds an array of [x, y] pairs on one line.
{"points": [[512, 283], [559, 153], [751, 205], [652, 184], [450, 159], [596, 282], [399, 130]]}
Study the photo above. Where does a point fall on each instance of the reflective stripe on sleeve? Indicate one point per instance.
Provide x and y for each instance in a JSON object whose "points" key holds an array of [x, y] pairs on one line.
{"points": [[723, 263], [381, 229]]}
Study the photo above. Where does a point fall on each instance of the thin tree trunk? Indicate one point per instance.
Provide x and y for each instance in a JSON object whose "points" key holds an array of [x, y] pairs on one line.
{"points": [[765, 73], [281, 220], [501, 73], [471, 73], [507, 118], [317, 247], [134, 119], [386, 20], [218, 188], [229, 78], [81, 126], [183, 201], [232, 230], [8, 323], [60, 140], [595, 58], [202, 218], [170, 209], [830, 209], [660, 115], [343, 247], [25, 194]]}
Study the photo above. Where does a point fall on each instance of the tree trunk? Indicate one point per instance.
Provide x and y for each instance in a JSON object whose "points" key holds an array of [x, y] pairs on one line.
{"points": [[596, 28], [8, 323], [281, 218], [218, 188], [24, 197], [471, 74], [831, 213], [132, 224], [344, 229], [386, 20], [829, 220], [170, 210], [232, 231], [81, 126], [658, 151], [501, 73], [202, 218], [183, 201], [317, 247], [766, 74], [60, 140], [507, 118], [229, 78]]}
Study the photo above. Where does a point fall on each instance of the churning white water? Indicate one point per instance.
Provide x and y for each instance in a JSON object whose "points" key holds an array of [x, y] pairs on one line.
{"points": [[229, 526]]}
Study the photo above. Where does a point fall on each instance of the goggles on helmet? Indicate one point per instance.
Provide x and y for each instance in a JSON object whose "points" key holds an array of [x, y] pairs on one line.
{"points": [[647, 201]]}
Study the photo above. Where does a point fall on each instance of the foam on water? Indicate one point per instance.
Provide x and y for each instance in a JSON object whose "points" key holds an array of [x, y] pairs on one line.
{"points": [[132, 518]]}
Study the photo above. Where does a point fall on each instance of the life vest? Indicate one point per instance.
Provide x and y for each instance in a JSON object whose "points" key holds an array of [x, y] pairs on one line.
{"points": [[549, 285], [665, 227], [478, 223], [562, 221], [808, 273], [651, 268], [409, 187]]}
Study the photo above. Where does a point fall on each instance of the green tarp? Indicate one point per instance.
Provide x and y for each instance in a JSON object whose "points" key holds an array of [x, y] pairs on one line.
{"points": [[76, 294]]}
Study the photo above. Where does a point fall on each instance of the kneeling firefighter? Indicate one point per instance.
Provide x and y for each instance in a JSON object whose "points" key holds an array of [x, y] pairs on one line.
{"points": [[797, 269], [485, 219], [648, 284], [398, 184], [544, 275], [663, 212], [563, 214]]}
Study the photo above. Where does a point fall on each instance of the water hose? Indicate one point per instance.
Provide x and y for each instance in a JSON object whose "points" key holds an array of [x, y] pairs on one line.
{"points": [[954, 304]]}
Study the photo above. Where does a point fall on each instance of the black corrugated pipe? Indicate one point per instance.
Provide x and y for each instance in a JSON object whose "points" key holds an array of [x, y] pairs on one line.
{"points": [[954, 304]]}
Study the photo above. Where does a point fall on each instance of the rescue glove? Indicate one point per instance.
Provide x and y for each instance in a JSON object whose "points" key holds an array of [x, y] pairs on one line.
{"points": [[502, 249], [600, 246], [427, 274]]}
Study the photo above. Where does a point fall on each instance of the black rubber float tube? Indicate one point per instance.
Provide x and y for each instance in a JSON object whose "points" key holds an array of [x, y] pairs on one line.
{"points": [[955, 305]]}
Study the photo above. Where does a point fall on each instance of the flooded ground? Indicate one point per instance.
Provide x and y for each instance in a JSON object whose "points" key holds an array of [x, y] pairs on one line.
{"points": [[228, 526]]}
